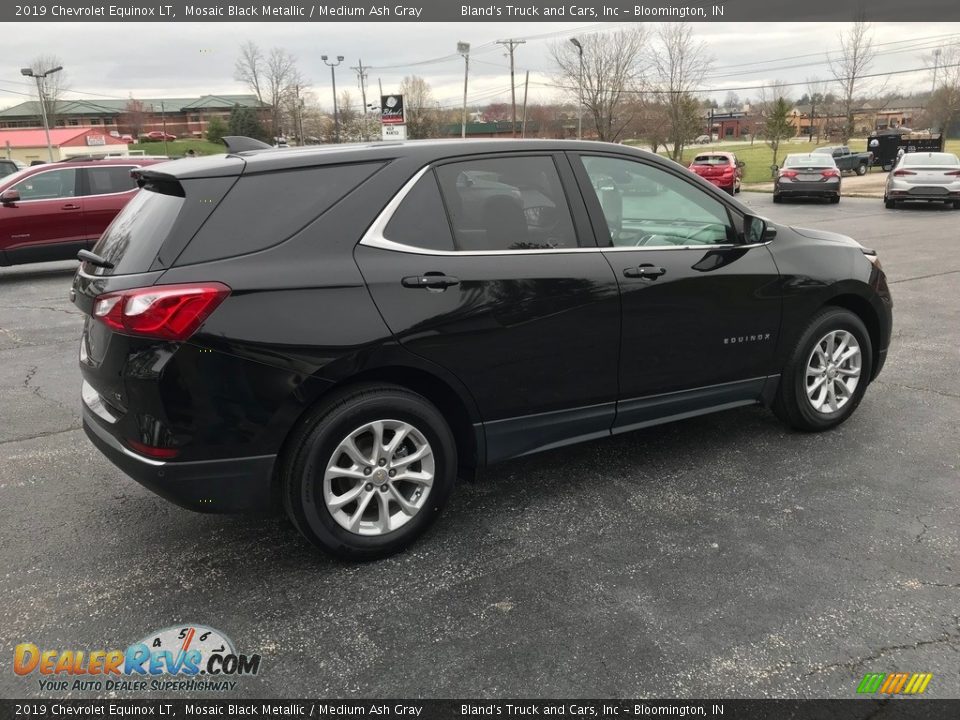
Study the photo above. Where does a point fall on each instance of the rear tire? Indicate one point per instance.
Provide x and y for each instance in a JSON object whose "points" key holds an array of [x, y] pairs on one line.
{"points": [[810, 397], [355, 497], [862, 169], [777, 198], [956, 204], [889, 204], [835, 199]]}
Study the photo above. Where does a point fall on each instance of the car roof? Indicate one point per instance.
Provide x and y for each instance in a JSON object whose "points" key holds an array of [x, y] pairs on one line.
{"points": [[721, 153], [423, 151]]}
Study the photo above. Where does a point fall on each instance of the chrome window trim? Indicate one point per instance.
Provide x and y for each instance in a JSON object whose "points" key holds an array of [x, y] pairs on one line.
{"points": [[375, 238]]}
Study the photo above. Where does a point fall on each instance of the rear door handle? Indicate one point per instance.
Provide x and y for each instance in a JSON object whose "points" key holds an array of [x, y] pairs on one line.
{"points": [[648, 271], [430, 281], [69, 206]]}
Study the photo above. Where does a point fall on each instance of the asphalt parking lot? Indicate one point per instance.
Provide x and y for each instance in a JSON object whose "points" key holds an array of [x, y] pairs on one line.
{"points": [[720, 556]]}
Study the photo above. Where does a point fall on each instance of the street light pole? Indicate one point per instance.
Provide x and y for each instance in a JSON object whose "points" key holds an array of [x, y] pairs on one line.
{"points": [[579, 47], [333, 78], [39, 77]]}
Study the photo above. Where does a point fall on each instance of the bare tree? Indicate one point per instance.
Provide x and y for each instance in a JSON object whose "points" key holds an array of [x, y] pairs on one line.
{"points": [[848, 68], [54, 86], [943, 108], [273, 78], [680, 63], [612, 75], [817, 95], [250, 68], [419, 107], [133, 118], [732, 101]]}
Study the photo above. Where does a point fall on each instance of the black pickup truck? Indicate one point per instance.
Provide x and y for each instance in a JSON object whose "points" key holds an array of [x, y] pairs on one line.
{"points": [[846, 159]]}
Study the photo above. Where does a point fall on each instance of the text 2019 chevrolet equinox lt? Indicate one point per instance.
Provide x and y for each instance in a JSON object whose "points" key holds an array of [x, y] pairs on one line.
{"points": [[348, 329]]}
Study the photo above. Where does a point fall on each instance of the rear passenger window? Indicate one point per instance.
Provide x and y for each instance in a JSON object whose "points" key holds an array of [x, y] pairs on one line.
{"points": [[510, 203], [421, 220], [265, 209], [109, 179]]}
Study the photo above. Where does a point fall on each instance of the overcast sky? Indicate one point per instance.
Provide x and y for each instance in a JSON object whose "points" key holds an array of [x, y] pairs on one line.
{"points": [[120, 60]]}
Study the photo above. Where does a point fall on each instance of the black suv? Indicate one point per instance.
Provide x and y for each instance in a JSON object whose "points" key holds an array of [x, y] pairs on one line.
{"points": [[348, 329]]}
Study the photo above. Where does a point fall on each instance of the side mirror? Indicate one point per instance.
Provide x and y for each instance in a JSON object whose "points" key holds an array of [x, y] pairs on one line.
{"points": [[756, 230], [10, 197]]}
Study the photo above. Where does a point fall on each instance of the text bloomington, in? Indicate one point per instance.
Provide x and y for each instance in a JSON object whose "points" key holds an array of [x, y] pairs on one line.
{"points": [[603, 11]]}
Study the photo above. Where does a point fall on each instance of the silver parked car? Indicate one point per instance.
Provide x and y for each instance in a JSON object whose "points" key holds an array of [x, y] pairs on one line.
{"points": [[928, 176], [807, 175]]}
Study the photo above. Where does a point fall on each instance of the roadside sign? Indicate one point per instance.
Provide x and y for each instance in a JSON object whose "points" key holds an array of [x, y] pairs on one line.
{"points": [[391, 110], [394, 132]]}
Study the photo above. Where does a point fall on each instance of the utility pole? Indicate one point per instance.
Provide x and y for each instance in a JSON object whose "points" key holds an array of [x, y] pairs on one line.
{"points": [[523, 123], [936, 66], [579, 47], [163, 122], [362, 78], [464, 49], [511, 44]]}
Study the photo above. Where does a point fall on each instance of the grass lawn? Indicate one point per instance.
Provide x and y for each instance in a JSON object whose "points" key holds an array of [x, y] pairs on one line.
{"points": [[180, 147], [759, 157]]}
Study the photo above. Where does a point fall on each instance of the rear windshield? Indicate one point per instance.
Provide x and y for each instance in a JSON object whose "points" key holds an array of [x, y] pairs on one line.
{"points": [[132, 240], [929, 159], [809, 161], [711, 160]]}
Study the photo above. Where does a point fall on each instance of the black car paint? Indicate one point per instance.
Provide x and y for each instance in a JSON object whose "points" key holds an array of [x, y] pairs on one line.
{"points": [[529, 351]]}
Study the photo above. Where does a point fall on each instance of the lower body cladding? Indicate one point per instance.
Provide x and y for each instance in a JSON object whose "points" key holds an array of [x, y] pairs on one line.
{"points": [[217, 486]]}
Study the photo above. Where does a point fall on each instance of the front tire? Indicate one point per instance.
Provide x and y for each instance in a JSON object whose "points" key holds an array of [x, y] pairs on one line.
{"points": [[368, 471], [827, 373]]}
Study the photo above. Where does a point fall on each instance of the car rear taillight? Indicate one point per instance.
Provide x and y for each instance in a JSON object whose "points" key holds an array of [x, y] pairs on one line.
{"points": [[830, 173], [903, 173], [151, 451], [788, 173], [165, 312], [952, 172]]}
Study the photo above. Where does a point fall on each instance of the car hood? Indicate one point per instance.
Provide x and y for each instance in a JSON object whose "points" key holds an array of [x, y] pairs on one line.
{"points": [[826, 235]]}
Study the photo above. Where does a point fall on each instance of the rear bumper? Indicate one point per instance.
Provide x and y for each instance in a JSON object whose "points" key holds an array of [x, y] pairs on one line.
{"points": [[214, 486], [808, 189]]}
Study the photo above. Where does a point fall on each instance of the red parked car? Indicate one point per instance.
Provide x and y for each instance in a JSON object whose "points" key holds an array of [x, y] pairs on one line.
{"points": [[49, 212], [720, 168], [160, 135]]}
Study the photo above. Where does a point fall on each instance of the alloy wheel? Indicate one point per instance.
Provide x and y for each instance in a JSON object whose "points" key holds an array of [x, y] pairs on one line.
{"points": [[833, 371], [378, 477]]}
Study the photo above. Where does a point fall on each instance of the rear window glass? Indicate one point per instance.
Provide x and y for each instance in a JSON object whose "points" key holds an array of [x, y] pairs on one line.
{"points": [[929, 159], [109, 179], [819, 161], [132, 240], [711, 160], [265, 209], [421, 220]]}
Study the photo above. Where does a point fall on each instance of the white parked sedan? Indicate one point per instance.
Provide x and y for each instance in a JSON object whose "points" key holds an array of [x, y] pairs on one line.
{"points": [[927, 176]]}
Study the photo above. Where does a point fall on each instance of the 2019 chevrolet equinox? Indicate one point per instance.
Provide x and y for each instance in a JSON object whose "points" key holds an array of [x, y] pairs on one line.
{"points": [[347, 329]]}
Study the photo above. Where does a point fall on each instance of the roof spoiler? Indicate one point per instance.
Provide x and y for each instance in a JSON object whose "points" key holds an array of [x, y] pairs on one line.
{"points": [[239, 143]]}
